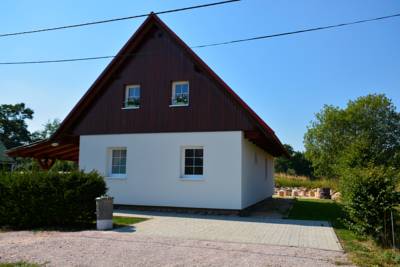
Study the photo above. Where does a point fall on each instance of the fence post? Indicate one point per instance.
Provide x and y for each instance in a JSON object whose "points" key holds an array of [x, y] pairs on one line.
{"points": [[393, 239]]}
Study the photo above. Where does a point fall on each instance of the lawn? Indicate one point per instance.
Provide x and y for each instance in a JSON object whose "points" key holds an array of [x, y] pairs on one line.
{"points": [[120, 221], [361, 250]]}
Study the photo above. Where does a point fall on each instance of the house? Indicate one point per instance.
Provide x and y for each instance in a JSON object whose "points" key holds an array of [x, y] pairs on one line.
{"points": [[165, 130], [6, 163]]}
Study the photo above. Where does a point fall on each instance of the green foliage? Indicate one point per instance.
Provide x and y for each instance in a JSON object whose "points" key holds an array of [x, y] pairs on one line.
{"points": [[19, 264], [297, 164], [281, 181], [366, 132], [359, 249], [13, 128], [317, 209], [124, 221], [369, 196], [48, 129], [42, 199]]}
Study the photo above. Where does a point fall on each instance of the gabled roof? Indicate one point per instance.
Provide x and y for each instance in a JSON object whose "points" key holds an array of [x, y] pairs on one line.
{"points": [[134, 41], [65, 130]]}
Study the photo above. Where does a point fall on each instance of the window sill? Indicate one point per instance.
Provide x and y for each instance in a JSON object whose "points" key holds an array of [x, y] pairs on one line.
{"points": [[130, 107], [196, 179], [117, 177], [178, 105]]}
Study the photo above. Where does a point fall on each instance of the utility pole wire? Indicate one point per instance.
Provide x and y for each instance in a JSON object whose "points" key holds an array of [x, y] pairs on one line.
{"points": [[114, 19], [299, 31], [210, 44]]}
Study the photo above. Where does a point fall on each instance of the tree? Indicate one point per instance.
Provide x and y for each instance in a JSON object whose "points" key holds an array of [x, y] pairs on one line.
{"points": [[297, 163], [365, 133], [49, 128], [13, 128]]}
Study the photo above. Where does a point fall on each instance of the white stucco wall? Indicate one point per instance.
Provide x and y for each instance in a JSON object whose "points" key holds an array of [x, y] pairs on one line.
{"points": [[257, 174], [154, 169]]}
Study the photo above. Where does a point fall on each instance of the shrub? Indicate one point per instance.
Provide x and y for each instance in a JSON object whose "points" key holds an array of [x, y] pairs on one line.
{"points": [[38, 199], [369, 196]]}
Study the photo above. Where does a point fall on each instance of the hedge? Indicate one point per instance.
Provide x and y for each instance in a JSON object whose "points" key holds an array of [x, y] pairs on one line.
{"points": [[369, 197], [43, 199]]}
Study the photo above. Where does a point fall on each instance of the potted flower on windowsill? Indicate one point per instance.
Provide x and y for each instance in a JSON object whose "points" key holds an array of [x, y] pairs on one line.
{"points": [[132, 102], [181, 100]]}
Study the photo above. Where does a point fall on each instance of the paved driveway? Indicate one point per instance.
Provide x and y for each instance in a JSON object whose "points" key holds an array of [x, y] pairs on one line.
{"points": [[257, 230]]}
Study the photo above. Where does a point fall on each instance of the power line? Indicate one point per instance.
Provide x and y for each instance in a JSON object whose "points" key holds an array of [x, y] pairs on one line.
{"points": [[115, 19], [208, 45], [299, 31]]}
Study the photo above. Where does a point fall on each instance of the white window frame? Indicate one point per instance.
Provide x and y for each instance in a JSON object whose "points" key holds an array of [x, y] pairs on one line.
{"points": [[127, 87], [193, 177], [110, 158], [174, 84]]}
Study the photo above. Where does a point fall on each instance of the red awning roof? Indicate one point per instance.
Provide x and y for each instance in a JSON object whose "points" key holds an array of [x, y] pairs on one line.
{"points": [[47, 149]]}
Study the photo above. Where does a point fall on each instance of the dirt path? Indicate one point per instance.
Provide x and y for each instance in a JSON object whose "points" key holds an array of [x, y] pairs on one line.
{"points": [[95, 248]]}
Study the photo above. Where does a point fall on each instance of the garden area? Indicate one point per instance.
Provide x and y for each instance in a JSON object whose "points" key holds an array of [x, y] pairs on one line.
{"points": [[362, 250], [354, 150]]}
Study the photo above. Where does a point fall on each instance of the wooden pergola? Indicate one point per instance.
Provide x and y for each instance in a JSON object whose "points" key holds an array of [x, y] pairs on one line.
{"points": [[46, 152]]}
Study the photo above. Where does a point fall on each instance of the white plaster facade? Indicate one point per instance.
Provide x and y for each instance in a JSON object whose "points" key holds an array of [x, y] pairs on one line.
{"points": [[233, 177]]}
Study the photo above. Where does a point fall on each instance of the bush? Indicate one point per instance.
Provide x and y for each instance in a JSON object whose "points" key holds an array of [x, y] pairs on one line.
{"points": [[42, 199], [369, 196]]}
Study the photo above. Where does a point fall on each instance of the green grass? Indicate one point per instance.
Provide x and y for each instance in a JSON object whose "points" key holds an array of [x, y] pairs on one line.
{"points": [[281, 181], [316, 209], [125, 221], [362, 251], [19, 264]]}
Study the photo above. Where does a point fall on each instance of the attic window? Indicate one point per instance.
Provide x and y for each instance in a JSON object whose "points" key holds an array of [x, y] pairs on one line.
{"points": [[180, 94], [132, 96]]}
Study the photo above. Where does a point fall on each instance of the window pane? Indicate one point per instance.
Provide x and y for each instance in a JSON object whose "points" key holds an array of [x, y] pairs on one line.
{"points": [[188, 170], [199, 152], [116, 153], [189, 153], [198, 162], [116, 161], [123, 153], [115, 169], [137, 92], [184, 88], [122, 169], [178, 89], [198, 170], [189, 161]]}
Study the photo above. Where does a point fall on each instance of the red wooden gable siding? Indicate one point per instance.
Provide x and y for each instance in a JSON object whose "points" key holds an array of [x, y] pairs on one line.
{"points": [[160, 62]]}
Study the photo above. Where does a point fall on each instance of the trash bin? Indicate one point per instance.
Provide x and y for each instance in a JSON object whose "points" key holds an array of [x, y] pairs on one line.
{"points": [[104, 212]]}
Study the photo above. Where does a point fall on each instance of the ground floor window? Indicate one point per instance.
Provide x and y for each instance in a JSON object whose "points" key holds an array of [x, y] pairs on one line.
{"points": [[193, 164], [118, 162]]}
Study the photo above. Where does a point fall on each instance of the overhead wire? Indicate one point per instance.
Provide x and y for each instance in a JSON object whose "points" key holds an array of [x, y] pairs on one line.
{"points": [[211, 44]]}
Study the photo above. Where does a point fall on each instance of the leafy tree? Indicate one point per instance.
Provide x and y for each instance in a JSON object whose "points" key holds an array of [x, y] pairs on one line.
{"points": [[13, 128], [49, 128], [297, 164], [366, 132]]}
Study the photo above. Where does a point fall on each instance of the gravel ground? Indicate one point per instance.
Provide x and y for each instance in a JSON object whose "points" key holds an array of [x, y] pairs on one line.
{"points": [[111, 248]]}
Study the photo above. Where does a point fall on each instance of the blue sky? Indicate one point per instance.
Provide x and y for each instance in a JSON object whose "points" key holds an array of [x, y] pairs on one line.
{"points": [[286, 80]]}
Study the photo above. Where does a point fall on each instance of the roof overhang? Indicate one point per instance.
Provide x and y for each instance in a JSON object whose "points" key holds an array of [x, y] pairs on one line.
{"points": [[48, 149]]}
